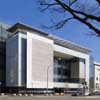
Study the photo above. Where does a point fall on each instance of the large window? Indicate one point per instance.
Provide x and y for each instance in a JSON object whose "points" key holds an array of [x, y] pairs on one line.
{"points": [[61, 70], [64, 70]]}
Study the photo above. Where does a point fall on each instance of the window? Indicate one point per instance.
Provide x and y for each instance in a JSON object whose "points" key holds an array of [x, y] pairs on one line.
{"points": [[61, 69], [97, 85], [97, 78]]}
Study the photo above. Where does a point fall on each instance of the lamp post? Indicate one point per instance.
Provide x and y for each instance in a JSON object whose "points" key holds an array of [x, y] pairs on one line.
{"points": [[47, 77]]}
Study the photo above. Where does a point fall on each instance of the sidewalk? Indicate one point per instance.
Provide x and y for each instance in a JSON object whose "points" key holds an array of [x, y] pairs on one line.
{"points": [[87, 97]]}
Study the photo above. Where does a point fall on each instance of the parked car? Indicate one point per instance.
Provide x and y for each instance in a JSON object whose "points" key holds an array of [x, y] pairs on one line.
{"points": [[77, 94], [94, 93]]}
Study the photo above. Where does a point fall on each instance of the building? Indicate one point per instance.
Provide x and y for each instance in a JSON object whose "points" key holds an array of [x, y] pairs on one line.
{"points": [[39, 61], [3, 37], [97, 77]]}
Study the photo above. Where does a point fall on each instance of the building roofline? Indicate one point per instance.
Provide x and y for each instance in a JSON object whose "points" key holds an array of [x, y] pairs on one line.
{"points": [[96, 63], [23, 26], [68, 43], [56, 39]]}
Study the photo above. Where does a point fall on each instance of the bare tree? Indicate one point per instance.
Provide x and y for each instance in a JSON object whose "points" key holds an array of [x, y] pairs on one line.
{"points": [[84, 11]]}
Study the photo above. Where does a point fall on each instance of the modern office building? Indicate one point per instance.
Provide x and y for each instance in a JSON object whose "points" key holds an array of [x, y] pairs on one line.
{"points": [[97, 77], [40, 61]]}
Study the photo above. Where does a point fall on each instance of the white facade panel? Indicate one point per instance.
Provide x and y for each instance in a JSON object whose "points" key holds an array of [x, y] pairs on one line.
{"points": [[82, 68], [39, 61], [67, 85], [97, 77], [22, 44]]}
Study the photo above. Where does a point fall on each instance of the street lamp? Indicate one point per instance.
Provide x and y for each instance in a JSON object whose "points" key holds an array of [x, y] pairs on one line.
{"points": [[47, 77]]}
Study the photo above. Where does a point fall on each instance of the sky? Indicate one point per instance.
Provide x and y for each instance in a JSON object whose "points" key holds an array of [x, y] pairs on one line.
{"points": [[28, 12]]}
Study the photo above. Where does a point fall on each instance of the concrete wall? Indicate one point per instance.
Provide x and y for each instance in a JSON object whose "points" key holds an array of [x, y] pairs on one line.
{"points": [[68, 85], [39, 61]]}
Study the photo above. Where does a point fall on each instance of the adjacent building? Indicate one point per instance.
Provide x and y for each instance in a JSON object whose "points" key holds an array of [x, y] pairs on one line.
{"points": [[3, 37], [97, 76]]}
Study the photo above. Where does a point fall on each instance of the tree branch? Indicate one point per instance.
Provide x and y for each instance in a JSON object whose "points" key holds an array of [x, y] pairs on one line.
{"points": [[62, 23], [59, 24], [87, 15], [71, 3], [98, 1], [66, 7], [88, 24], [78, 15], [47, 5], [71, 11]]}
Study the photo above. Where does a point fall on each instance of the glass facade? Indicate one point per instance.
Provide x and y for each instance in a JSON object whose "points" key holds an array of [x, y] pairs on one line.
{"points": [[91, 74], [3, 36], [61, 70]]}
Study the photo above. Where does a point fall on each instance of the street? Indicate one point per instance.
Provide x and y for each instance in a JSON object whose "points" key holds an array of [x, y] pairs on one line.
{"points": [[48, 98]]}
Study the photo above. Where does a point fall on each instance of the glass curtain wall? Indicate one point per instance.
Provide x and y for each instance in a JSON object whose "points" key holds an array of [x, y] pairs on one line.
{"points": [[3, 36], [91, 74], [61, 70]]}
